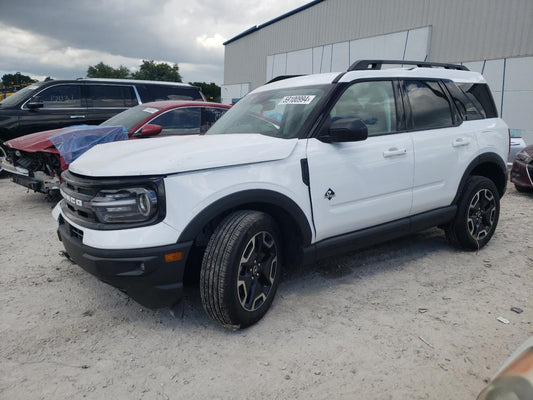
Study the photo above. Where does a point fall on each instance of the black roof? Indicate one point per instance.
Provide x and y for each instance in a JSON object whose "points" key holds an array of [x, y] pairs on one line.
{"points": [[256, 27]]}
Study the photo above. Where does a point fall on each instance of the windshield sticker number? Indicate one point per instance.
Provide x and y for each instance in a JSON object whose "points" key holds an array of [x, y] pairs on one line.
{"points": [[150, 110], [302, 99]]}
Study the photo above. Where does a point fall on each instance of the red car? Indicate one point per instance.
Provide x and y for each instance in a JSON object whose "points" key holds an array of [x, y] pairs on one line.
{"points": [[34, 162], [522, 171]]}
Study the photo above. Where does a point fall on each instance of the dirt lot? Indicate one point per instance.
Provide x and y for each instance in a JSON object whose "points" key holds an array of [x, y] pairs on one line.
{"points": [[350, 328]]}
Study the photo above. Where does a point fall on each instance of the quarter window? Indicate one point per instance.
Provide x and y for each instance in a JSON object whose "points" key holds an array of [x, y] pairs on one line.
{"points": [[480, 95], [60, 96], [430, 107], [372, 102]]}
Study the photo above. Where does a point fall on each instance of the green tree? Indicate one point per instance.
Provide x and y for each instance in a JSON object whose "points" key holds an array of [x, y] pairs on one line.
{"points": [[102, 70], [153, 71], [16, 79], [211, 90]]}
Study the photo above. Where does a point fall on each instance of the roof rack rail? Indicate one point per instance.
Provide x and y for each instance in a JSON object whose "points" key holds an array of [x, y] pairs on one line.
{"points": [[282, 77], [362, 65]]}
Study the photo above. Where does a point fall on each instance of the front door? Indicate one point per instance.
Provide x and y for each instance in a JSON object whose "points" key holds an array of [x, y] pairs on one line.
{"points": [[356, 185]]}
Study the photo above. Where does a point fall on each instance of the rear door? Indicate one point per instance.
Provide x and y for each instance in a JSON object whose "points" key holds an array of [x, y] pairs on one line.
{"points": [[106, 100], [356, 185], [443, 145]]}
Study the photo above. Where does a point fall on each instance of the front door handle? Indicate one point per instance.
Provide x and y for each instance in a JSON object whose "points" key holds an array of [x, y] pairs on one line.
{"points": [[459, 142], [393, 152], [77, 116]]}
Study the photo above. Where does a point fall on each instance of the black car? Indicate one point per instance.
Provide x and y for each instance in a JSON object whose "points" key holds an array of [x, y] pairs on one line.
{"points": [[55, 104]]}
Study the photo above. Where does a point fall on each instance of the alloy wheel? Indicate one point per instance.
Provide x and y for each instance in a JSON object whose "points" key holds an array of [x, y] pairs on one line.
{"points": [[257, 271], [481, 214]]}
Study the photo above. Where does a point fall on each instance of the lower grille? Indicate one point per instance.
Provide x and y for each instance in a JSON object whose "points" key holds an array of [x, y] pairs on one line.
{"points": [[75, 232]]}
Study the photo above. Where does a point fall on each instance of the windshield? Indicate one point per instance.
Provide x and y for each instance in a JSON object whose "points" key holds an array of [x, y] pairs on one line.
{"points": [[18, 96], [130, 118], [279, 113]]}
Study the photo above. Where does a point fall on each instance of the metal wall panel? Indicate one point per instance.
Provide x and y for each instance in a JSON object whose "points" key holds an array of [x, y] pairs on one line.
{"points": [[462, 30]]}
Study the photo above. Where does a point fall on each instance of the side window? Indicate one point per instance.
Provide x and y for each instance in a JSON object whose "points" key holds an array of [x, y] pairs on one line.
{"points": [[168, 92], [430, 107], [210, 116], [467, 108], [180, 121], [109, 96], [372, 102], [60, 96], [480, 95]]}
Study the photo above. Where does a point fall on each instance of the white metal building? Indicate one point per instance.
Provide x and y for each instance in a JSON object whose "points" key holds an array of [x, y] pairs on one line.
{"points": [[494, 37]]}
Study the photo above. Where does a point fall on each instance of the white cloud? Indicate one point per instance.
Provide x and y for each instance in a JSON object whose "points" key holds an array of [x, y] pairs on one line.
{"points": [[211, 43], [39, 41]]}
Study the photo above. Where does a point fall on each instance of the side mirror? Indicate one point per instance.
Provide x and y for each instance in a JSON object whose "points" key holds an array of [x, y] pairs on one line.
{"points": [[346, 130], [151, 130], [34, 105]]}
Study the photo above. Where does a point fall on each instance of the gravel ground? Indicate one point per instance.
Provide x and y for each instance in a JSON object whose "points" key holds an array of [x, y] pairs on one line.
{"points": [[409, 319]]}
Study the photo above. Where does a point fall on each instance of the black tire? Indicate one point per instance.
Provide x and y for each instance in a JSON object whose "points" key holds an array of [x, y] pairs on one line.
{"points": [[3, 155], [241, 269], [523, 189], [477, 215]]}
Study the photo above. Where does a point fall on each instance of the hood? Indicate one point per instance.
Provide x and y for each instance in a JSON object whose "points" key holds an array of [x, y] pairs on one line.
{"points": [[35, 141], [167, 155]]}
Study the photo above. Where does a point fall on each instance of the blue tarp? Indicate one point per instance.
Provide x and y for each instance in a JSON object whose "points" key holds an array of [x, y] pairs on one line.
{"points": [[76, 140]]}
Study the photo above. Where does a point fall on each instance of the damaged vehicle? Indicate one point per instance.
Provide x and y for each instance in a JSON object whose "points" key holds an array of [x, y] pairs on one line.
{"points": [[37, 160], [522, 170]]}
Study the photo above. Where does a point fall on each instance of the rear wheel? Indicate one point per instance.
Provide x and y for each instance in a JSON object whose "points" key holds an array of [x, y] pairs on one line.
{"points": [[477, 215], [241, 269]]}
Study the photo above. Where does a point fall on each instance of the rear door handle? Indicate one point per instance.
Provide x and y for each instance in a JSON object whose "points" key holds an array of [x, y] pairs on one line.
{"points": [[459, 142], [77, 116], [393, 152]]}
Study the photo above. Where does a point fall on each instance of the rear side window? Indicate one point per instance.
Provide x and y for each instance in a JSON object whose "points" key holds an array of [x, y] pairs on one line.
{"points": [[168, 92], [430, 107], [59, 96], [479, 94], [109, 96]]}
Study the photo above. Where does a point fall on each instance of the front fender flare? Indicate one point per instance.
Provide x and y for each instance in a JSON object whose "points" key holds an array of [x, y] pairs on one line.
{"points": [[261, 199]]}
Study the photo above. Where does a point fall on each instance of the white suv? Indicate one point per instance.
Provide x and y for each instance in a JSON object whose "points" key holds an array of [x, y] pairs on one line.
{"points": [[300, 168]]}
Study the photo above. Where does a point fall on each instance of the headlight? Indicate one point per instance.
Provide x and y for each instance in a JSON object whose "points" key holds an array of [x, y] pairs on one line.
{"points": [[523, 156], [136, 204]]}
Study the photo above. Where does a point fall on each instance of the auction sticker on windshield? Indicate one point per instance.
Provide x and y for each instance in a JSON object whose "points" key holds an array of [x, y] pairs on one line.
{"points": [[301, 99]]}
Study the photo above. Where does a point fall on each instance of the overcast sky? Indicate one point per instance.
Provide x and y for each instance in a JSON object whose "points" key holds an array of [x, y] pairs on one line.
{"points": [[62, 38]]}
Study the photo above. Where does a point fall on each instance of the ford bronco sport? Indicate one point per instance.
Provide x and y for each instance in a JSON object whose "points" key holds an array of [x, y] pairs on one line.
{"points": [[298, 169]]}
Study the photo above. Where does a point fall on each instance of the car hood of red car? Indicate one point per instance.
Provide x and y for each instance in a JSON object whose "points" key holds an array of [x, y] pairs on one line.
{"points": [[34, 142]]}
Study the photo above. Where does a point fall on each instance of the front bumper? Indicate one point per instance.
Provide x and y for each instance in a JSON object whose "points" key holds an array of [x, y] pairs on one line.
{"points": [[522, 174], [143, 274]]}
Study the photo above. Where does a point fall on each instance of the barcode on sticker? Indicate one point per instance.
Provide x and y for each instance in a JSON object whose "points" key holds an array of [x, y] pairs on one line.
{"points": [[302, 99]]}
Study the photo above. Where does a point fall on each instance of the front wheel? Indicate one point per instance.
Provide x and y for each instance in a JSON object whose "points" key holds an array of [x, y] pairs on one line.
{"points": [[241, 269], [3, 155], [477, 215]]}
